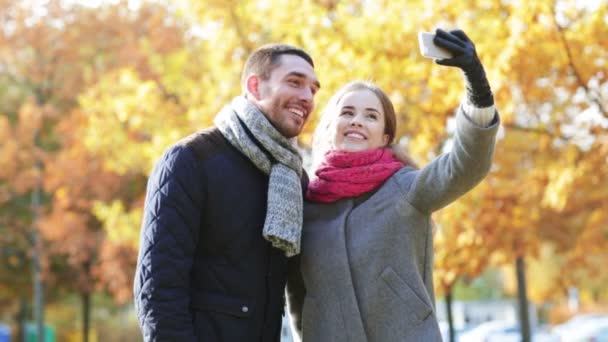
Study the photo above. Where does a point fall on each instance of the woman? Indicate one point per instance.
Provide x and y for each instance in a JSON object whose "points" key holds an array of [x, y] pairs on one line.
{"points": [[365, 272]]}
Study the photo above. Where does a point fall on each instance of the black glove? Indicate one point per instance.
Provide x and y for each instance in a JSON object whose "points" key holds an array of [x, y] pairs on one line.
{"points": [[465, 58]]}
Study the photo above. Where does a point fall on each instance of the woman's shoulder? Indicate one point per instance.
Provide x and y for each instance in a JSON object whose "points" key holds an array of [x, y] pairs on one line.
{"points": [[395, 186], [326, 210], [405, 176]]}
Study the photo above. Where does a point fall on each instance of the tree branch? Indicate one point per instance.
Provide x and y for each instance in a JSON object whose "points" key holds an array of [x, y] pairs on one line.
{"points": [[593, 96], [536, 131], [236, 22]]}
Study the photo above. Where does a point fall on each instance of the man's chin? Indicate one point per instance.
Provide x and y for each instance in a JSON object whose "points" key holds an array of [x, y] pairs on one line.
{"points": [[290, 135], [291, 132]]}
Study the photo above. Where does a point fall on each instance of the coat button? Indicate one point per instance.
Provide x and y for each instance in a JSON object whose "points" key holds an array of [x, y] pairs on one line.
{"points": [[245, 309]]}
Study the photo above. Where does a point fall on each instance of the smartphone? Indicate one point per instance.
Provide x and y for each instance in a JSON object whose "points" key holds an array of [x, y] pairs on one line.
{"points": [[428, 49]]}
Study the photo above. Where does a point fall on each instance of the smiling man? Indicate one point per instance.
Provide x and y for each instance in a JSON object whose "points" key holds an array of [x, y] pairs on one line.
{"points": [[286, 95], [223, 212]]}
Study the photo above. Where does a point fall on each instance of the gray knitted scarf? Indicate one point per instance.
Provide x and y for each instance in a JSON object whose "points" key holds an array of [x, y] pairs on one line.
{"points": [[247, 129]]}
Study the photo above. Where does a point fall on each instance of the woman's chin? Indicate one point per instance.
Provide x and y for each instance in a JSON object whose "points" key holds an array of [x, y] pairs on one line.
{"points": [[353, 147]]}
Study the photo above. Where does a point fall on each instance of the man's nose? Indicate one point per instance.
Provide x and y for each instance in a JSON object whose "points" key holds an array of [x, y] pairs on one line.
{"points": [[307, 95]]}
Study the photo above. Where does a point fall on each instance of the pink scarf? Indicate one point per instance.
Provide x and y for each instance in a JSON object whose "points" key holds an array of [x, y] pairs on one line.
{"points": [[350, 174]]}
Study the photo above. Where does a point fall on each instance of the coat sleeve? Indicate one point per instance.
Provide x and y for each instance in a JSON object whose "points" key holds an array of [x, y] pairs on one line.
{"points": [[451, 175], [169, 235], [295, 296]]}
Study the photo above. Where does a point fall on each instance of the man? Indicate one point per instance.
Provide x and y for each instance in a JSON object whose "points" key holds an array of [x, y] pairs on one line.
{"points": [[223, 212]]}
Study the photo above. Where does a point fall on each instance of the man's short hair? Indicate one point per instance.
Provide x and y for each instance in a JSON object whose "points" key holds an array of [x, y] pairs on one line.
{"points": [[266, 58]]}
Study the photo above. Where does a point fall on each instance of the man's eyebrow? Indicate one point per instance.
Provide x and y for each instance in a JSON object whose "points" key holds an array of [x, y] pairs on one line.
{"points": [[303, 75]]}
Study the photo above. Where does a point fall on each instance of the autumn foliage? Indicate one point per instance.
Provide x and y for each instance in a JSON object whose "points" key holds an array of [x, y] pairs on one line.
{"points": [[90, 97]]}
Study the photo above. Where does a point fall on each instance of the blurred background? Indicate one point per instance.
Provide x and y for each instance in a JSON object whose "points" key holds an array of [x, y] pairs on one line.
{"points": [[93, 91]]}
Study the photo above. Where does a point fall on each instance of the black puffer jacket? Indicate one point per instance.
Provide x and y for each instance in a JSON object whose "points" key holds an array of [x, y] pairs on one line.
{"points": [[204, 271]]}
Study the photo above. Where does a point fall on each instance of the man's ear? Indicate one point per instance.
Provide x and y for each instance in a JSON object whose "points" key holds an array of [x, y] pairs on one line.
{"points": [[253, 83]]}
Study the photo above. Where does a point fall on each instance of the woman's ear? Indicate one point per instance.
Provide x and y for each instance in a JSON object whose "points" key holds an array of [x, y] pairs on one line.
{"points": [[385, 139], [253, 85]]}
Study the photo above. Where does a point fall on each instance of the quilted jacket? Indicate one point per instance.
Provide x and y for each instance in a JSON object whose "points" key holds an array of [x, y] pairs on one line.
{"points": [[204, 271]]}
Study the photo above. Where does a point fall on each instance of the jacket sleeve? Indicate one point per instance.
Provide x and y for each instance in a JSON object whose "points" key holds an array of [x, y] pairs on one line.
{"points": [[295, 296], [451, 175], [169, 235]]}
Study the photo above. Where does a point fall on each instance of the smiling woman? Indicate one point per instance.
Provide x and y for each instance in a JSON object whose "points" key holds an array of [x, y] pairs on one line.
{"points": [[360, 110], [360, 122], [365, 271]]}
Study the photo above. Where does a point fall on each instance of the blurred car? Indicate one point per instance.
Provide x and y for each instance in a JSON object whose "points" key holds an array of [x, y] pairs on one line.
{"points": [[483, 331], [5, 333], [507, 334], [575, 321], [513, 334], [601, 335], [445, 331], [584, 328], [504, 331]]}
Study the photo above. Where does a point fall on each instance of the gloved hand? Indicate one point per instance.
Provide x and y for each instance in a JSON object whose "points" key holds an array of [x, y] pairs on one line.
{"points": [[465, 58]]}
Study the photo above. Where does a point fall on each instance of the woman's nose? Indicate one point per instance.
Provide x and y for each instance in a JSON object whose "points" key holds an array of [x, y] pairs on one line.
{"points": [[355, 121]]}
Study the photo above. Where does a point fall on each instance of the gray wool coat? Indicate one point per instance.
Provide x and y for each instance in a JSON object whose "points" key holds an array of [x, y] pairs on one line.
{"points": [[366, 268]]}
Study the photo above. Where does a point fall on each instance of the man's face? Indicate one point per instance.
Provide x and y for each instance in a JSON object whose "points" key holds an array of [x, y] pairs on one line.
{"points": [[287, 96]]}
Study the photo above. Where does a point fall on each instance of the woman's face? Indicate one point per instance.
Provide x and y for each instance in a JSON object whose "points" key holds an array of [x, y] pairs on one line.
{"points": [[359, 122]]}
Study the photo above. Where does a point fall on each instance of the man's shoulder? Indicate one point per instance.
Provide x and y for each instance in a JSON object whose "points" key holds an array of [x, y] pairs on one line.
{"points": [[205, 142]]}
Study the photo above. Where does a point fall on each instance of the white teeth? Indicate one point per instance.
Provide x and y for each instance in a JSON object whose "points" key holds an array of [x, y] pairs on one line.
{"points": [[297, 112], [355, 135]]}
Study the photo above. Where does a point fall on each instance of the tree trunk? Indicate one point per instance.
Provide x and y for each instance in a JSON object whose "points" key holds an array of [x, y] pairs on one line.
{"points": [[448, 302], [38, 285], [86, 315], [21, 320], [522, 299]]}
